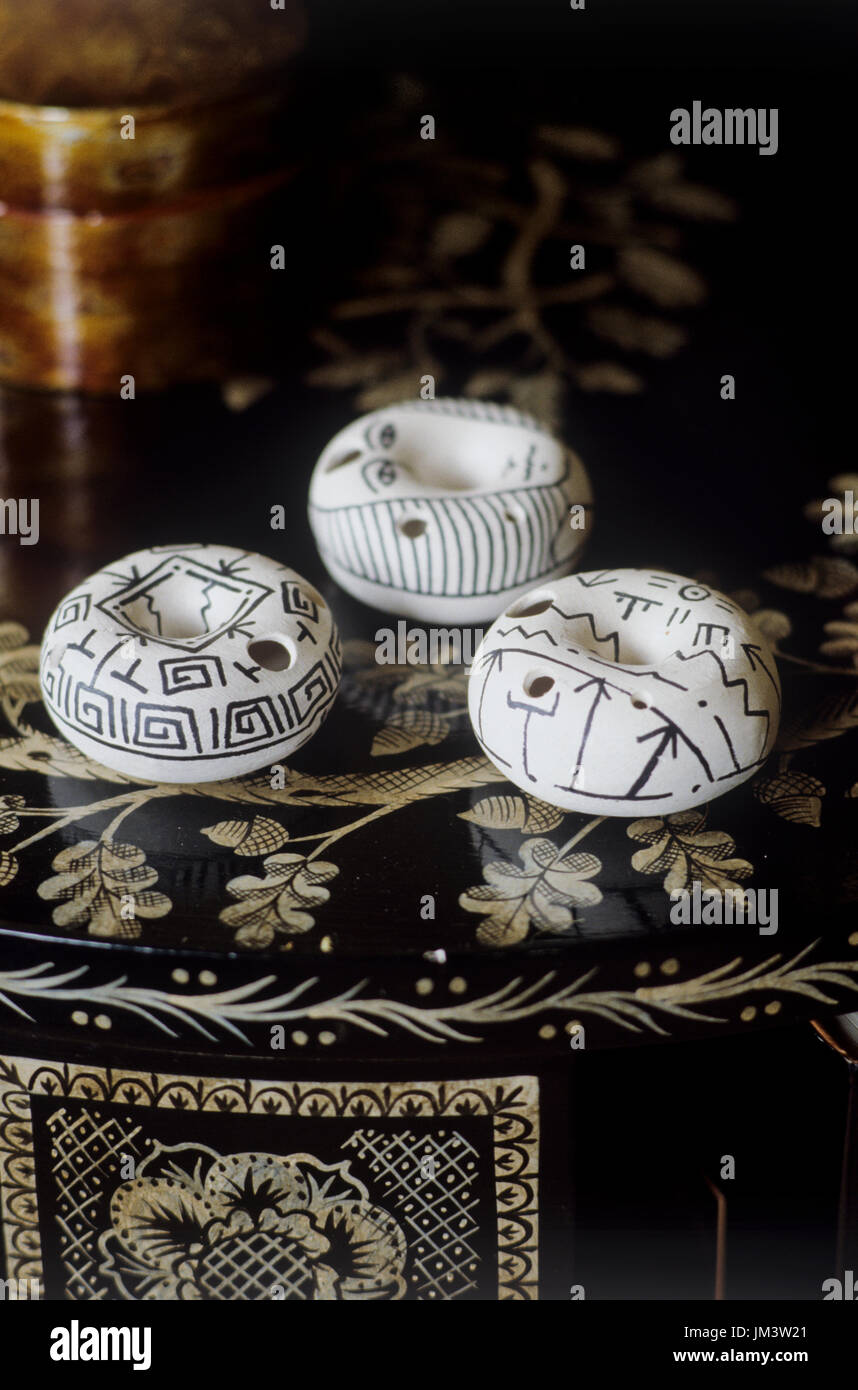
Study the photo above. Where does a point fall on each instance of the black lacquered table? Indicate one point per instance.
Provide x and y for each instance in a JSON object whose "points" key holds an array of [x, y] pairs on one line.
{"points": [[328, 1054]]}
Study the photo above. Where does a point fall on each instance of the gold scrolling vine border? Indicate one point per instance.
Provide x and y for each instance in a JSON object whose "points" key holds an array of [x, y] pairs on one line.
{"points": [[465, 1021]]}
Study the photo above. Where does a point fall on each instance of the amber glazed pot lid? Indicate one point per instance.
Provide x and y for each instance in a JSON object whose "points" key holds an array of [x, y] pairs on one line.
{"points": [[169, 53]]}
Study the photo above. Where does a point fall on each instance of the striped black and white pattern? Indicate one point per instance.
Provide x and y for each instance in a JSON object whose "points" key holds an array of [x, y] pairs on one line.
{"points": [[469, 547]]}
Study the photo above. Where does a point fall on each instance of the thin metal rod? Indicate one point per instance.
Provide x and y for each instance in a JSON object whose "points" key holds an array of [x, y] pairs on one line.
{"points": [[720, 1240]]}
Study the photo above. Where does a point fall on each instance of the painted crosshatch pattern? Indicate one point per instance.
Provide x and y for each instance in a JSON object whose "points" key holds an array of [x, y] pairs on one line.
{"points": [[425, 1191]]}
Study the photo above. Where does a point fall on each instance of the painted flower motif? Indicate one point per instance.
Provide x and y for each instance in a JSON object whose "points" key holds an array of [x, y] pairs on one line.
{"points": [[278, 903], [685, 853], [821, 511], [106, 886], [542, 893], [842, 640], [250, 1226]]}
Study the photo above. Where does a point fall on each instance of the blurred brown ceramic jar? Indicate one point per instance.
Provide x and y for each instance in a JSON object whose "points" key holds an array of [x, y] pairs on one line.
{"points": [[150, 256]]}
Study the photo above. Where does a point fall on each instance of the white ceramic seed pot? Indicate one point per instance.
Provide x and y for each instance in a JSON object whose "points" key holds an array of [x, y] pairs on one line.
{"points": [[190, 663], [625, 693], [447, 510]]}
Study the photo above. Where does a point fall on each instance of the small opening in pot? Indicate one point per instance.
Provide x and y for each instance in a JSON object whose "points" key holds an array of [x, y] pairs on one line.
{"points": [[528, 607], [536, 685], [343, 460], [412, 528], [269, 654]]}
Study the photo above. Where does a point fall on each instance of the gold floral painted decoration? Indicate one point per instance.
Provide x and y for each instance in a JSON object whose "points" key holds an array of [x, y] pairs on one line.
{"points": [[679, 847], [250, 1226]]}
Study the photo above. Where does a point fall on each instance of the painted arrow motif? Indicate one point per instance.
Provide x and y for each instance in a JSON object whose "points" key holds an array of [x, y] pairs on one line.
{"points": [[669, 739]]}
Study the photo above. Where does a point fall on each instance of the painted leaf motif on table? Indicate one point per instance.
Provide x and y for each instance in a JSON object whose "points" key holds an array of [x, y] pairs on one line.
{"points": [[8, 868], [33, 751], [841, 636], [106, 886], [513, 813], [351, 371], [279, 903], [409, 728], [393, 786], [446, 682], [540, 394], [12, 635], [679, 847], [486, 274], [9, 822], [19, 672], [540, 893], [201, 1231], [796, 796], [392, 389], [248, 837]]}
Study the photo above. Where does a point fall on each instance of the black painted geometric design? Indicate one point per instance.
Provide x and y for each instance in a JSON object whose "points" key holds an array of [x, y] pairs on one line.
{"points": [[295, 600], [247, 721], [74, 611], [182, 673], [166, 728], [662, 738], [218, 601], [315, 688], [94, 712]]}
